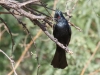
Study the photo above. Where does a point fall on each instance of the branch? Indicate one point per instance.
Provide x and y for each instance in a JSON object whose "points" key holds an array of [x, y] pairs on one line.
{"points": [[12, 62], [94, 72], [17, 7], [75, 26], [27, 2], [25, 51], [69, 14], [8, 31]]}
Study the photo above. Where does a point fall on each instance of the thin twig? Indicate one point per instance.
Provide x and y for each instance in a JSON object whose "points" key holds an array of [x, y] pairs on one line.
{"points": [[1, 33], [45, 8], [12, 61], [20, 22], [25, 51], [94, 73], [37, 11], [69, 11], [8, 13], [9, 32], [75, 26], [38, 64], [23, 24], [74, 6], [5, 13], [89, 61], [27, 2]]}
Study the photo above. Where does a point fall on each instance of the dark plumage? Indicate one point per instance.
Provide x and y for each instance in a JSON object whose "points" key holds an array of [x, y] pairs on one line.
{"points": [[62, 32]]}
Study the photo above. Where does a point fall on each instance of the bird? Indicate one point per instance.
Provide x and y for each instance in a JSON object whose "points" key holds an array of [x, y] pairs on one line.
{"points": [[62, 32]]}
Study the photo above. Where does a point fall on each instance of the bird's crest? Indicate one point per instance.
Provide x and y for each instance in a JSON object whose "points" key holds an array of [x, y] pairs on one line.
{"points": [[58, 14]]}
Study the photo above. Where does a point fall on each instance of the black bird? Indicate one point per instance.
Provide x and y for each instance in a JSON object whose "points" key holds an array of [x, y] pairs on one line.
{"points": [[62, 32]]}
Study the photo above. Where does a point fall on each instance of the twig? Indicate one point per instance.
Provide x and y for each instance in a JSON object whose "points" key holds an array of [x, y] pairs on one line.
{"points": [[73, 7], [33, 11], [38, 64], [8, 13], [12, 62], [1, 33], [38, 11], [75, 26], [45, 8], [9, 32], [89, 61], [69, 11], [25, 51], [5, 13], [48, 22], [94, 73], [20, 22], [28, 2]]}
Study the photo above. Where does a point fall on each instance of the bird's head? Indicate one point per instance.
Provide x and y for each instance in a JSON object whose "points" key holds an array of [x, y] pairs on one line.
{"points": [[58, 15]]}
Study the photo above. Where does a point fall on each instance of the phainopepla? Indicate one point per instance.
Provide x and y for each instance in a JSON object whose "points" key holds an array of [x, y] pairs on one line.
{"points": [[62, 32]]}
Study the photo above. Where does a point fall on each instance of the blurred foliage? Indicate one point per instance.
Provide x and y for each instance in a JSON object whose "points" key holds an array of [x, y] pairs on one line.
{"points": [[85, 15]]}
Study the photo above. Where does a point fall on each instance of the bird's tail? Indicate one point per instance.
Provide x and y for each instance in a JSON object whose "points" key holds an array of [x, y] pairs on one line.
{"points": [[59, 60]]}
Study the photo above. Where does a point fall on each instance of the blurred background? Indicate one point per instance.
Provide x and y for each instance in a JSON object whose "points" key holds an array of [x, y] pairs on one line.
{"points": [[85, 44]]}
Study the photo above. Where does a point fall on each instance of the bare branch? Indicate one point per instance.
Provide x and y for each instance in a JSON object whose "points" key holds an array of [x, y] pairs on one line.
{"points": [[75, 26], [9, 32], [12, 61], [25, 51], [16, 6], [28, 2]]}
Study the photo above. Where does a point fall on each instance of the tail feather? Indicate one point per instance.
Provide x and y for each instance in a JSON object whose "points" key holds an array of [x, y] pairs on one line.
{"points": [[59, 60]]}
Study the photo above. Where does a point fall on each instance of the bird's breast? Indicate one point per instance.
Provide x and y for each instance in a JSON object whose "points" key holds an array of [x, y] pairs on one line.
{"points": [[61, 28]]}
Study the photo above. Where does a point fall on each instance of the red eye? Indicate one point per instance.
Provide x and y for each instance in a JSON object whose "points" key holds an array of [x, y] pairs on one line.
{"points": [[58, 17]]}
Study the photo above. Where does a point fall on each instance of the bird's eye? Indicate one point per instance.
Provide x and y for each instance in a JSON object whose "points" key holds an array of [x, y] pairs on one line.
{"points": [[58, 17]]}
